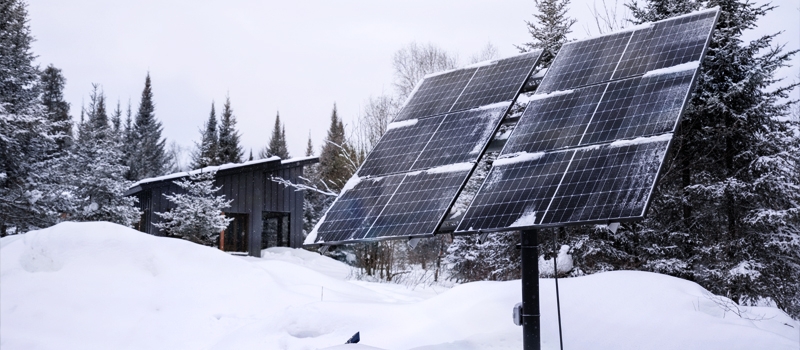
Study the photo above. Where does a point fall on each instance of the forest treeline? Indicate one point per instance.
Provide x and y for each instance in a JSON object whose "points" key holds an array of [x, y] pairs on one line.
{"points": [[725, 212]]}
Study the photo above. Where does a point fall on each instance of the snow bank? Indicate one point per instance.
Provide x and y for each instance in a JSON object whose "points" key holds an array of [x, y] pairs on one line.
{"points": [[103, 286], [565, 263]]}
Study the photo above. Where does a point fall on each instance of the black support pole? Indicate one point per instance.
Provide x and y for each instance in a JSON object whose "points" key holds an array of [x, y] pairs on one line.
{"points": [[531, 329]]}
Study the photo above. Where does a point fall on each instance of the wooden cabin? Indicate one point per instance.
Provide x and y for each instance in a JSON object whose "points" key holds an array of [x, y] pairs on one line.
{"points": [[265, 213]]}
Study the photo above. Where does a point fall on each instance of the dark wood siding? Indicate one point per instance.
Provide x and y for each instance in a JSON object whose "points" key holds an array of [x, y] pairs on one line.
{"points": [[252, 191]]}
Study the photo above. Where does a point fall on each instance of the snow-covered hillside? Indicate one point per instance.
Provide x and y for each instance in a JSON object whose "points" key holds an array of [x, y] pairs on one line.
{"points": [[103, 286]]}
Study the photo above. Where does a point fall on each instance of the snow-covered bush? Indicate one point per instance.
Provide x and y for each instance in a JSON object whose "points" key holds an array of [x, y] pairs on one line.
{"points": [[197, 215]]}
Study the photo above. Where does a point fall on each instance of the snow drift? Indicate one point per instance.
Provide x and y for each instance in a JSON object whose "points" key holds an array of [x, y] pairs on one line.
{"points": [[100, 285]]}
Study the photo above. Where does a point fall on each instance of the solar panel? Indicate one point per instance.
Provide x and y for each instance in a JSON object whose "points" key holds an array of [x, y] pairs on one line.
{"points": [[436, 94], [419, 144], [420, 203], [356, 209], [400, 205], [635, 107], [482, 84], [400, 146], [513, 189], [461, 137], [589, 146], [608, 182], [629, 53], [497, 82]]}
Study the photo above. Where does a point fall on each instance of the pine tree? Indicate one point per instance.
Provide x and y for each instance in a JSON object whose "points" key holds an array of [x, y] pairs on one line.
{"points": [[96, 173], [116, 121], [549, 29], [725, 213], [197, 215], [309, 146], [30, 193], [337, 158], [229, 149], [277, 142], [148, 157], [207, 151], [56, 109]]}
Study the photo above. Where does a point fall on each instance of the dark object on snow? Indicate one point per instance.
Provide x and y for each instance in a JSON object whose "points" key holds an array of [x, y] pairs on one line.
{"points": [[354, 339]]}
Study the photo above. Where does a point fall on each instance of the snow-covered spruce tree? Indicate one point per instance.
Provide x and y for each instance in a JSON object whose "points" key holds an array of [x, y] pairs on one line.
{"points": [[337, 160], [30, 188], [147, 157], [56, 109], [197, 215], [229, 149], [96, 171], [725, 212], [207, 151], [549, 29], [277, 142]]}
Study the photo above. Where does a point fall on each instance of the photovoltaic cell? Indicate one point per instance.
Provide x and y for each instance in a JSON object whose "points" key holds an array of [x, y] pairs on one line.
{"points": [[513, 190], [418, 205], [400, 147], [639, 107], [634, 107], [605, 183], [460, 138], [356, 209], [436, 95], [625, 54], [667, 44], [584, 63], [554, 122], [497, 82], [470, 87]]}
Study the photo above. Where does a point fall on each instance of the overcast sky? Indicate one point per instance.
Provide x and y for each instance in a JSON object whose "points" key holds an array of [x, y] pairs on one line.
{"points": [[293, 57]]}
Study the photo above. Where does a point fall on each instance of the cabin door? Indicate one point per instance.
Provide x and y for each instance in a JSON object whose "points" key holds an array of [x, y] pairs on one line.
{"points": [[234, 238], [275, 229]]}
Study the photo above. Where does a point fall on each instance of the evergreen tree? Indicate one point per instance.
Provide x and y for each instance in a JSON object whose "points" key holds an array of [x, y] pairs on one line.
{"points": [[309, 146], [725, 213], [337, 158], [96, 173], [197, 215], [229, 149], [277, 142], [116, 121], [56, 109], [30, 192], [549, 29], [148, 157], [207, 151]]}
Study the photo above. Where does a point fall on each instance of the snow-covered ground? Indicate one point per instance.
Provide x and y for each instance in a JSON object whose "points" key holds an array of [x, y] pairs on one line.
{"points": [[103, 286]]}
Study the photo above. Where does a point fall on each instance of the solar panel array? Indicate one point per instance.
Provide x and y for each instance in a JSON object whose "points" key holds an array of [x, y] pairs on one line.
{"points": [[412, 176], [590, 144]]}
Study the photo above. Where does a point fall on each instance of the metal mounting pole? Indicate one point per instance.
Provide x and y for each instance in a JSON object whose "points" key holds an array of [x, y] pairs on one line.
{"points": [[531, 329]]}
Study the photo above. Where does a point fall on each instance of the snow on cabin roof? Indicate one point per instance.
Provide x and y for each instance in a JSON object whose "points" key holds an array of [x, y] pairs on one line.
{"points": [[221, 167]]}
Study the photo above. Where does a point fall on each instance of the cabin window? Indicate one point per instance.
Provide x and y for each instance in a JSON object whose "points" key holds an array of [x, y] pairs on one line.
{"points": [[275, 229]]}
